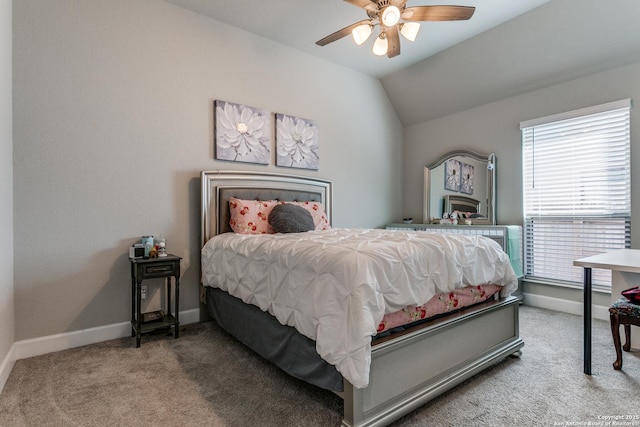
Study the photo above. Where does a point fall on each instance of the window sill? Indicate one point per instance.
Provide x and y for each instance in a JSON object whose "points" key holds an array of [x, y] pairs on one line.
{"points": [[568, 285]]}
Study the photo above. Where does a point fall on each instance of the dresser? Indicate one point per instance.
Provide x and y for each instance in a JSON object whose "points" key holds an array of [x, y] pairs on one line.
{"points": [[509, 237]]}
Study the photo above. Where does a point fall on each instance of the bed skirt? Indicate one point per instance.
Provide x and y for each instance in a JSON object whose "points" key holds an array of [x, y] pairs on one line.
{"points": [[295, 353]]}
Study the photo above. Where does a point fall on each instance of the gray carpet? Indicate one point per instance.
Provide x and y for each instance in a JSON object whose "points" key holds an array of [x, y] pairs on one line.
{"points": [[206, 378]]}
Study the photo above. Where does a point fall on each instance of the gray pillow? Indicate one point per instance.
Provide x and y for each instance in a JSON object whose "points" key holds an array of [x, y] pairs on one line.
{"points": [[288, 218]]}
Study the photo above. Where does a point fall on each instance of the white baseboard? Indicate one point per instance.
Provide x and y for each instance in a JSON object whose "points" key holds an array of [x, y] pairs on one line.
{"points": [[42, 345], [573, 307], [6, 366]]}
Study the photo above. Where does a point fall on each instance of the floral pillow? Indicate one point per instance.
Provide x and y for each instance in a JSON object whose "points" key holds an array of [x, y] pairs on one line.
{"points": [[250, 216], [317, 213]]}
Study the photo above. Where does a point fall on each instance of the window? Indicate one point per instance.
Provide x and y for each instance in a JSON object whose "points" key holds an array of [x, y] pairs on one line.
{"points": [[577, 191]]}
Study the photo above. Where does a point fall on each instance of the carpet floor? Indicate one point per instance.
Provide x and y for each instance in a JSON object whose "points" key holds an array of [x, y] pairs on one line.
{"points": [[206, 378]]}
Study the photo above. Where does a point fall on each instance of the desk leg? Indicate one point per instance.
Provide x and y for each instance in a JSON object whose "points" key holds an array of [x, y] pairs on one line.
{"points": [[587, 320]]}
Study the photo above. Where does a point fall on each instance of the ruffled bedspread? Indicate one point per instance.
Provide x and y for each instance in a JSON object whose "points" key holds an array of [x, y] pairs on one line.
{"points": [[335, 286]]}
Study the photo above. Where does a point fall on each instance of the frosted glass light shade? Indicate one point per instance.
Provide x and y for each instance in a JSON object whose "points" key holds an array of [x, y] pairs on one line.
{"points": [[380, 46], [390, 16], [410, 30], [361, 33]]}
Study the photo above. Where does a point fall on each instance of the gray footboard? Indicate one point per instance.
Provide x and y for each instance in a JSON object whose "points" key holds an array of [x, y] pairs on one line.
{"points": [[450, 350]]}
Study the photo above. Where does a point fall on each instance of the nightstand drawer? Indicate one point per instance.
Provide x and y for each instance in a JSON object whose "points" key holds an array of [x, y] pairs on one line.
{"points": [[160, 269]]}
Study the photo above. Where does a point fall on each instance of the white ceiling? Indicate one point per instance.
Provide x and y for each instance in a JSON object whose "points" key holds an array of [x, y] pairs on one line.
{"points": [[508, 47], [300, 23]]}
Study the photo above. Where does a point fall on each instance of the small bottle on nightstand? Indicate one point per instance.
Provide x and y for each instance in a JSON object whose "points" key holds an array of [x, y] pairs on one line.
{"points": [[162, 246]]}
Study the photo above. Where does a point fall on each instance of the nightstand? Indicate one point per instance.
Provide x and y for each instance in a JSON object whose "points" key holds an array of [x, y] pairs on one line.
{"points": [[152, 268]]}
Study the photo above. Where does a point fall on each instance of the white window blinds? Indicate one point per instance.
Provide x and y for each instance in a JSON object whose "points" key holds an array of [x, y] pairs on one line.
{"points": [[577, 190]]}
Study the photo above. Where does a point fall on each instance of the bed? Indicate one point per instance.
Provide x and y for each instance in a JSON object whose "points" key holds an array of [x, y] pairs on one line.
{"points": [[435, 353]]}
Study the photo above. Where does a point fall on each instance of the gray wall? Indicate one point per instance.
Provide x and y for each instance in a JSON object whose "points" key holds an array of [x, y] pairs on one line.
{"points": [[113, 121], [6, 185], [494, 128]]}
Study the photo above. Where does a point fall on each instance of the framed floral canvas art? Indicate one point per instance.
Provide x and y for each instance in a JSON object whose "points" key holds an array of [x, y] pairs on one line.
{"points": [[242, 133], [297, 142], [452, 175], [466, 178]]}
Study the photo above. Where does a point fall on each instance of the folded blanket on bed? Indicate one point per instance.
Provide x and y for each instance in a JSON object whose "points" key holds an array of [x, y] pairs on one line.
{"points": [[335, 286]]}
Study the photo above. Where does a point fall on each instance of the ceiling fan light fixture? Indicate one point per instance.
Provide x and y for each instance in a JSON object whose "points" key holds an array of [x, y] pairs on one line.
{"points": [[409, 30], [394, 18], [390, 16], [361, 33], [381, 45]]}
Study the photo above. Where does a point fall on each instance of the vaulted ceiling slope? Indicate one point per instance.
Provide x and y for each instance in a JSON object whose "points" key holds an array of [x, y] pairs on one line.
{"points": [[507, 48], [558, 41]]}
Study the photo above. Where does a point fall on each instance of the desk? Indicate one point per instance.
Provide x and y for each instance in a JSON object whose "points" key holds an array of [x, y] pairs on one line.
{"points": [[622, 260]]}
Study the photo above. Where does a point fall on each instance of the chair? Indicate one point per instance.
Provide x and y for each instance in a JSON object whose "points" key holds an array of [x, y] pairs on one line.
{"points": [[623, 312]]}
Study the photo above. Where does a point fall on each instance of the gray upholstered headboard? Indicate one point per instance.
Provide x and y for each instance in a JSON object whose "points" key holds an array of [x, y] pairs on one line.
{"points": [[219, 186]]}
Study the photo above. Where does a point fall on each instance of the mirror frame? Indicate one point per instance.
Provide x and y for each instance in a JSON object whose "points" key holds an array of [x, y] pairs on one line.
{"points": [[491, 181]]}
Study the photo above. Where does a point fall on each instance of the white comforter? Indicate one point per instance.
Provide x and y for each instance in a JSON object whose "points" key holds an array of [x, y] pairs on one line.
{"points": [[335, 286]]}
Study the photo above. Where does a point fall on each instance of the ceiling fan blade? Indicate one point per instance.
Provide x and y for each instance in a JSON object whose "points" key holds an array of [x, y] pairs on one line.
{"points": [[341, 33], [438, 13], [393, 40], [365, 4]]}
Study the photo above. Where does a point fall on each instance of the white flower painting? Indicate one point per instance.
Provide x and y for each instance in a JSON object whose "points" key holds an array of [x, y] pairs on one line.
{"points": [[297, 142], [452, 175], [243, 134], [466, 178]]}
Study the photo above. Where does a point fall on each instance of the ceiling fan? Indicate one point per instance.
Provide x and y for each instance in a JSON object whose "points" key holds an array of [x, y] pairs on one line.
{"points": [[394, 18]]}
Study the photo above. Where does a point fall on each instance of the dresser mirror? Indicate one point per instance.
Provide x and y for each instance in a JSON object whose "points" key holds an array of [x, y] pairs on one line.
{"points": [[462, 181]]}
